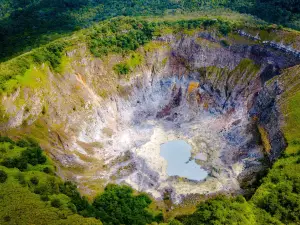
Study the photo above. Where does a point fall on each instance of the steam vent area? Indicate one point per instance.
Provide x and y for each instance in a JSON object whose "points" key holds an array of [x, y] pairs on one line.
{"points": [[196, 114]]}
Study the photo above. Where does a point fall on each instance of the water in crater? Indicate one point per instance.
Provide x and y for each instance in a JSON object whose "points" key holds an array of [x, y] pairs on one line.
{"points": [[178, 155]]}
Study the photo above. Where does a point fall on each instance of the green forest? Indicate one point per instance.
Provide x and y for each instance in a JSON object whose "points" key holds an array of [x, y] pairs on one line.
{"points": [[27, 24]]}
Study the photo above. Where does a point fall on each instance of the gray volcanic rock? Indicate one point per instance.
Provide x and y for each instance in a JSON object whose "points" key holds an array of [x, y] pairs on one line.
{"points": [[265, 109]]}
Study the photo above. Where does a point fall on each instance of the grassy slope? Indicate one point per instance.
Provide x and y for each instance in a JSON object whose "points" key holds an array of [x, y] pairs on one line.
{"points": [[280, 190], [19, 203], [289, 105]]}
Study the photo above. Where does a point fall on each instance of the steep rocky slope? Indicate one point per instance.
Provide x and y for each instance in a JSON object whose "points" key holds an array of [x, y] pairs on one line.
{"points": [[100, 126]]}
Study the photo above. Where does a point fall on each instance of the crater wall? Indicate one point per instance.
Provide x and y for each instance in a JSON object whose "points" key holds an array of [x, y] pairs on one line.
{"points": [[100, 128]]}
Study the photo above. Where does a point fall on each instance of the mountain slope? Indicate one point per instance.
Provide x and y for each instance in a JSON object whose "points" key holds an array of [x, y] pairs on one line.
{"points": [[25, 25]]}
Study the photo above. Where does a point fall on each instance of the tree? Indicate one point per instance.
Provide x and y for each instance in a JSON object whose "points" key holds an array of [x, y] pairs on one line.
{"points": [[56, 203], [3, 176], [221, 210], [118, 205], [34, 180]]}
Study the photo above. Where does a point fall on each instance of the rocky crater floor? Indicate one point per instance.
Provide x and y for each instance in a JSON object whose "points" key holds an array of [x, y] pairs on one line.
{"points": [[224, 142]]}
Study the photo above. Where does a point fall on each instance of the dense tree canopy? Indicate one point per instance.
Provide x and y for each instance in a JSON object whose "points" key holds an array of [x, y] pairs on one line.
{"points": [[29, 23], [118, 205], [222, 210], [286, 12], [279, 193]]}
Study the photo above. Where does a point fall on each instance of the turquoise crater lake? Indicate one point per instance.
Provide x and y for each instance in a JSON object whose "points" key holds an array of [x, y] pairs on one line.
{"points": [[178, 156]]}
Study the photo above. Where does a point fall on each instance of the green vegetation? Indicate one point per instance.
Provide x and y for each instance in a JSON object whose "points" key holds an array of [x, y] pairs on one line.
{"points": [[292, 127], [286, 12], [20, 206], [119, 36], [3, 176], [221, 210], [122, 68], [224, 43], [118, 205], [25, 70], [52, 53], [27, 24], [29, 189], [129, 65], [279, 193], [124, 34], [31, 193]]}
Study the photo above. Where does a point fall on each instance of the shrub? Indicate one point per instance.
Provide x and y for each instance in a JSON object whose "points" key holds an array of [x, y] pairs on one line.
{"points": [[221, 210], [41, 190], [6, 139], [34, 156], [34, 180], [44, 198], [111, 36], [9, 162], [118, 205], [70, 189], [240, 199], [52, 53], [208, 23], [47, 170], [224, 28], [20, 177], [122, 69], [3, 176], [72, 207], [52, 185], [278, 194], [56, 203], [22, 143], [6, 218], [174, 222], [19, 163], [224, 43], [2, 150]]}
